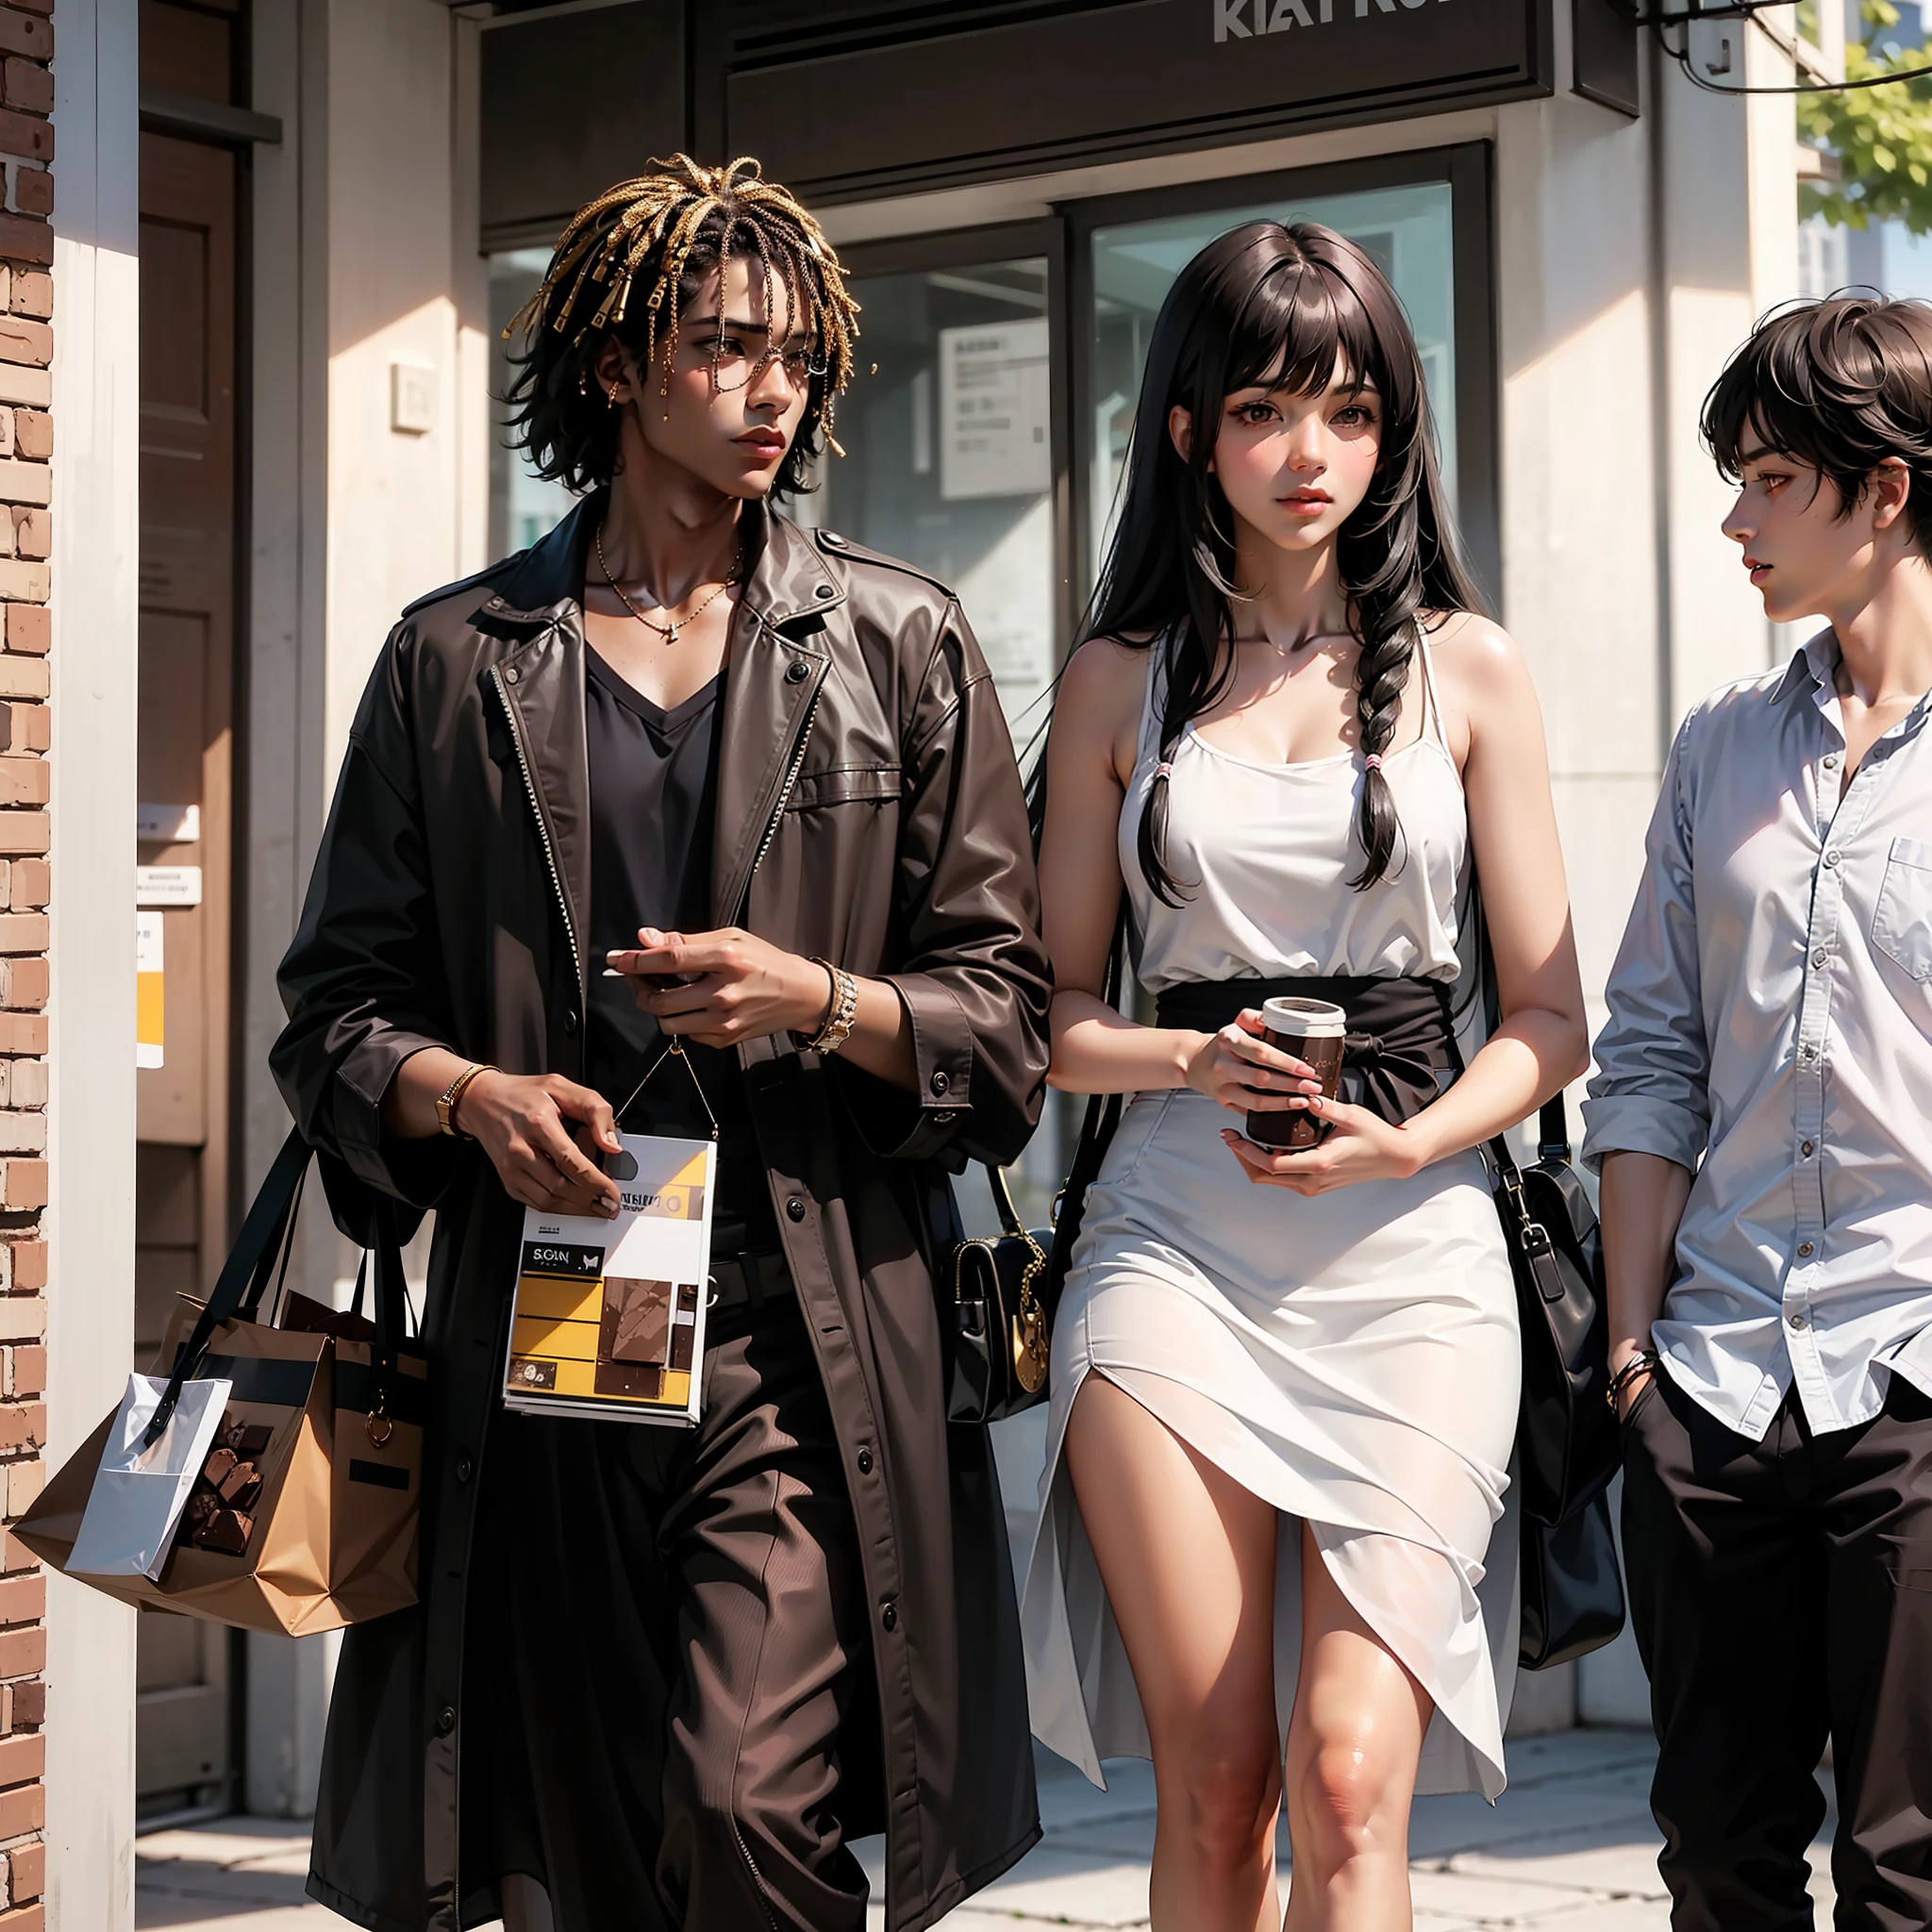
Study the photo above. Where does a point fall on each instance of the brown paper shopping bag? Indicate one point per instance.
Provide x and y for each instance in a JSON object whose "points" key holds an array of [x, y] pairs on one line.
{"points": [[332, 1531]]}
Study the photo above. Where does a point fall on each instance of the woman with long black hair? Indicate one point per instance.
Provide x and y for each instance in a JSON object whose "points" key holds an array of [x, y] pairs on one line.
{"points": [[1285, 1382]]}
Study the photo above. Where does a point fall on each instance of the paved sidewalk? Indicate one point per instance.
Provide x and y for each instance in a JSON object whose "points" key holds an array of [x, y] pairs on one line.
{"points": [[1570, 1848]]}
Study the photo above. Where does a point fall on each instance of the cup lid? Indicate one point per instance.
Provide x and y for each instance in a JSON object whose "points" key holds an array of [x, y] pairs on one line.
{"points": [[1313, 1018]]}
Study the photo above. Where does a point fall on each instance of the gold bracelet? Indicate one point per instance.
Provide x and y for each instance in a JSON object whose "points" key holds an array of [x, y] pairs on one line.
{"points": [[840, 1014], [451, 1097]]}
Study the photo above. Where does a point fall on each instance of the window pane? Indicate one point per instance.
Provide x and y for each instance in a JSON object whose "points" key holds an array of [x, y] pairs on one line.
{"points": [[1406, 231], [949, 455], [522, 507]]}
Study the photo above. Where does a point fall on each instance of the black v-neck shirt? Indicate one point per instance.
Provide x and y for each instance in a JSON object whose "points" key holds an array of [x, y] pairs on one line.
{"points": [[654, 794]]}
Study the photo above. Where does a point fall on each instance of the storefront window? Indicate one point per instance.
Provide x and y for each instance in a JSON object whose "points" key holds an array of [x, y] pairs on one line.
{"points": [[522, 507], [1406, 231], [949, 454]]}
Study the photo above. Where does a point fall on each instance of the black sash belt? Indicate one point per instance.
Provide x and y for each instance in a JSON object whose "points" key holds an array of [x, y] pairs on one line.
{"points": [[1400, 1032]]}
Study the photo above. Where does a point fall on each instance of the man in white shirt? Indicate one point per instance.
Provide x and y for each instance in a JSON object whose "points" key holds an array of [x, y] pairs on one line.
{"points": [[1762, 1122]]}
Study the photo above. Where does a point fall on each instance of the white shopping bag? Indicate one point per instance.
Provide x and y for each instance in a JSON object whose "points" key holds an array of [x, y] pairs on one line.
{"points": [[139, 1491]]}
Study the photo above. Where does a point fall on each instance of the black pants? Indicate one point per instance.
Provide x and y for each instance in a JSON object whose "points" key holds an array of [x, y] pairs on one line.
{"points": [[662, 1653], [1781, 1593]]}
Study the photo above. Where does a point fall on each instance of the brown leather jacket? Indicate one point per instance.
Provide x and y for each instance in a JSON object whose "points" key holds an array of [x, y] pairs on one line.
{"points": [[869, 811]]}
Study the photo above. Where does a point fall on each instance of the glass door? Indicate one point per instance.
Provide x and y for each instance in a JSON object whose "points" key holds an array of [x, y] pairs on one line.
{"points": [[951, 450]]}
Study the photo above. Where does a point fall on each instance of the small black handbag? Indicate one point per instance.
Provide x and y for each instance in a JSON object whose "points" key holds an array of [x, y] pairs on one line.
{"points": [[1005, 1290], [1000, 1319]]}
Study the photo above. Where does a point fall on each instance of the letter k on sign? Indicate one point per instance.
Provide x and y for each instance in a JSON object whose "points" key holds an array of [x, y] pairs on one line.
{"points": [[1227, 19]]}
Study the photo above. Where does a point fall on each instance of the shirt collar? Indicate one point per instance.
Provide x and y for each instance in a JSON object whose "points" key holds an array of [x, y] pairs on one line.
{"points": [[1816, 659]]}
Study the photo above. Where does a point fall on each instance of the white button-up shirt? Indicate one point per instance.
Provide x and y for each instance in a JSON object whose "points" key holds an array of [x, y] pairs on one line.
{"points": [[1771, 1011]]}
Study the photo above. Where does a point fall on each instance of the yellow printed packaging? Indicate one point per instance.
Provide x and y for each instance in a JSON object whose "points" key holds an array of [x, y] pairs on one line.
{"points": [[609, 1317]]}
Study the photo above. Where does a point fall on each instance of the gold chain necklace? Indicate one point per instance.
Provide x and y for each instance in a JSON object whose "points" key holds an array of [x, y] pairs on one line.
{"points": [[667, 632]]}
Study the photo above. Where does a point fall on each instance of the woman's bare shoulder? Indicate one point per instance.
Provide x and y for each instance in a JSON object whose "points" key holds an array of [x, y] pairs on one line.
{"points": [[1106, 674], [1476, 651]]}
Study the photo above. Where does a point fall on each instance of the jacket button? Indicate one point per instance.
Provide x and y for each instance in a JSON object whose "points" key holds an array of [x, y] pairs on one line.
{"points": [[570, 1021], [465, 1469], [798, 670], [944, 1117], [1803, 1251], [940, 1081], [446, 1719], [795, 1209], [865, 1462], [512, 675], [823, 592], [890, 1616]]}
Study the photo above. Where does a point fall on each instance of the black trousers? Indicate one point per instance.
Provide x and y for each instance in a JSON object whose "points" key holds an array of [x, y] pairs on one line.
{"points": [[1781, 1593], [664, 1648]]}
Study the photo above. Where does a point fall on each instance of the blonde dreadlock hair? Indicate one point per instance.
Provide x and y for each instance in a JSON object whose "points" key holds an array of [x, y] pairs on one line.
{"points": [[668, 230]]}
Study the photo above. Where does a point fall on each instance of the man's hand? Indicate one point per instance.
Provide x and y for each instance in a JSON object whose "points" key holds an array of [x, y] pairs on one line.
{"points": [[518, 1120], [1640, 1204], [737, 985]]}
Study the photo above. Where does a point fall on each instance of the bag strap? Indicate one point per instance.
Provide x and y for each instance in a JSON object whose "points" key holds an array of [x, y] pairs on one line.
{"points": [[245, 1274], [1002, 1199], [260, 1255], [1552, 1117]]}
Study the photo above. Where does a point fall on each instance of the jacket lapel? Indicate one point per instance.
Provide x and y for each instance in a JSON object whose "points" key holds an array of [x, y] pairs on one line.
{"points": [[770, 688], [541, 679]]}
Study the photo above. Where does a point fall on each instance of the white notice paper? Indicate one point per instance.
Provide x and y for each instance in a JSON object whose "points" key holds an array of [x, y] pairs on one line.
{"points": [[995, 400], [139, 1493]]}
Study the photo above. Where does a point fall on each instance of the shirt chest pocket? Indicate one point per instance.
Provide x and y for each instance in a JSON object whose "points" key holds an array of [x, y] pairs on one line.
{"points": [[1902, 927]]}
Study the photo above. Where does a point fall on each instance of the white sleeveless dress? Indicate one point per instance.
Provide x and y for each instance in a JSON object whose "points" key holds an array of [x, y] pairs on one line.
{"points": [[1352, 1358]]}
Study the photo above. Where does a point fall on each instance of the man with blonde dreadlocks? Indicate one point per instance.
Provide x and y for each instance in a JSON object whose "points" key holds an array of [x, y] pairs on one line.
{"points": [[681, 773]]}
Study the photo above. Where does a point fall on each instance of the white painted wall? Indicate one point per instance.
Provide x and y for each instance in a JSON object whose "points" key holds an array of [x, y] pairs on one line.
{"points": [[90, 1215], [365, 232]]}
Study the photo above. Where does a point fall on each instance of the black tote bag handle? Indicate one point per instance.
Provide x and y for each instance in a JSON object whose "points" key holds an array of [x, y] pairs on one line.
{"points": [[260, 1255]]}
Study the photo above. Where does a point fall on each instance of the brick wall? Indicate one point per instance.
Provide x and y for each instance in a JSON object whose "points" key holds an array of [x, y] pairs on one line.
{"points": [[26, 445]]}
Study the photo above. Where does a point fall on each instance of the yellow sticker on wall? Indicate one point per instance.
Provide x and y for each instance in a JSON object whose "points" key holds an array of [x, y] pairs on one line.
{"points": [[149, 1006]]}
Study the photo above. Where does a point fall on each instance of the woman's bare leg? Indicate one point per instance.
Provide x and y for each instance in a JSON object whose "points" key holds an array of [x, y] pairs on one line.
{"points": [[1188, 1558], [1353, 1747]]}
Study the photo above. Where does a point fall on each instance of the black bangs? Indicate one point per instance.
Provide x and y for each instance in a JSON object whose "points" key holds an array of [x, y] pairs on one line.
{"points": [[1292, 328]]}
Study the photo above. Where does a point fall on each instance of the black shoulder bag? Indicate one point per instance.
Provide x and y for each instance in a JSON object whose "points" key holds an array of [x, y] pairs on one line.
{"points": [[1566, 1435], [1005, 1290]]}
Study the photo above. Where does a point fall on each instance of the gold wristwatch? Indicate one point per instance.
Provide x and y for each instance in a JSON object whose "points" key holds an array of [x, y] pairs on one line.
{"points": [[840, 1014], [448, 1100]]}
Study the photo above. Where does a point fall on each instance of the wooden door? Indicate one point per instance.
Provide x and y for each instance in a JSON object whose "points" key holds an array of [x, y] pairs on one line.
{"points": [[189, 224]]}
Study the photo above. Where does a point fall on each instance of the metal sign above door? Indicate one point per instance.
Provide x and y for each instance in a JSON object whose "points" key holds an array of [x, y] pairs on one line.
{"points": [[853, 101]]}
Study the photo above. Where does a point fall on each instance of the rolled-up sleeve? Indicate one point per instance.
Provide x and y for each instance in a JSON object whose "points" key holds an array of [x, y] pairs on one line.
{"points": [[1651, 1094], [971, 968]]}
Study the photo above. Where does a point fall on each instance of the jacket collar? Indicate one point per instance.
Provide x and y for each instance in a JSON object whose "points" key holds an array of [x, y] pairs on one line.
{"points": [[777, 663], [789, 579]]}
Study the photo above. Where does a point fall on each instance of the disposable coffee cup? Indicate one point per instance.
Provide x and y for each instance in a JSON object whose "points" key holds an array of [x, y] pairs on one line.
{"points": [[1311, 1030]]}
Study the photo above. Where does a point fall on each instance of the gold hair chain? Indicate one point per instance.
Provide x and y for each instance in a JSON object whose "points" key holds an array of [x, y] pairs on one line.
{"points": [[667, 632]]}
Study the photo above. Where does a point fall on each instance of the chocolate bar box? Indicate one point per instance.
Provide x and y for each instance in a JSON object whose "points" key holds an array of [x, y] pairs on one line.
{"points": [[610, 1314]]}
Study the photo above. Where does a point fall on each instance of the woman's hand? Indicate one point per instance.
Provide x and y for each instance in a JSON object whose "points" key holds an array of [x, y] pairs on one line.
{"points": [[1359, 1146], [1237, 1069], [736, 985], [518, 1120]]}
